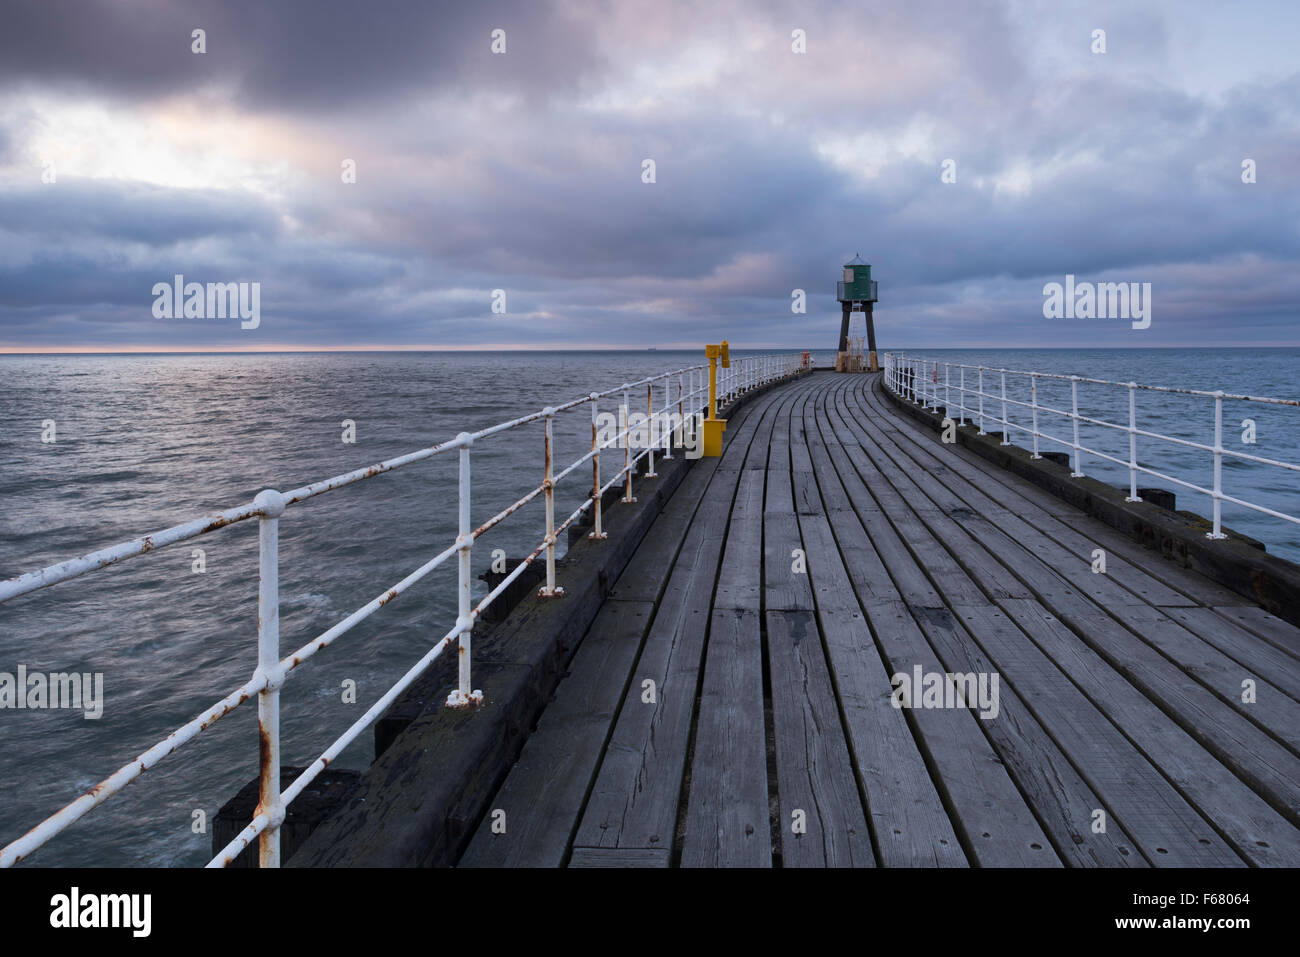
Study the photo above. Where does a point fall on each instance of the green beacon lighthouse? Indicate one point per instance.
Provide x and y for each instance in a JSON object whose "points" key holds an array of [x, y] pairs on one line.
{"points": [[856, 292]]}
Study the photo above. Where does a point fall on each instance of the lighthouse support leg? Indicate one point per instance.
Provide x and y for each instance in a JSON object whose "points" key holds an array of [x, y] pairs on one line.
{"points": [[871, 338], [842, 354]]}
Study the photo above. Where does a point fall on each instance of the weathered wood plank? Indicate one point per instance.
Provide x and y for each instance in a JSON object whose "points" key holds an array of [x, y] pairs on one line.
{"points": [[908, 818], [1258, 832], [647, 572], [1218, 725], [1120, 782], [786, 584], [621, 857], [1280, 634], [1273, 709], [544, 792], [740, 578], [1281, 669], [727, 807], [821, 819]]}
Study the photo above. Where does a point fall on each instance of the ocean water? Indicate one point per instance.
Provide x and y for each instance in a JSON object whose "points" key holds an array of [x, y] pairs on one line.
{"points": [[144, 442]]}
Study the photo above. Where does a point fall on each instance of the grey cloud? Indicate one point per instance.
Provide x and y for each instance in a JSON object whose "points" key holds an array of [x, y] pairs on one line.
{"points": [[292, 54]]}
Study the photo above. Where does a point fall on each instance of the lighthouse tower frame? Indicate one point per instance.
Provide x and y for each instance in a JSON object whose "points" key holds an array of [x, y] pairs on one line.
{"points": [[856, 292]]}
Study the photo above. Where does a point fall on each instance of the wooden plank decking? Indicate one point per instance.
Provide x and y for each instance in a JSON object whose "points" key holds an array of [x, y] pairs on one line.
{"points": [[731, 705]]}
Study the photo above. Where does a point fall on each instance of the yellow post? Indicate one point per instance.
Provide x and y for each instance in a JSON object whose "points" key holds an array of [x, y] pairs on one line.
{"points": [[713, 426]]}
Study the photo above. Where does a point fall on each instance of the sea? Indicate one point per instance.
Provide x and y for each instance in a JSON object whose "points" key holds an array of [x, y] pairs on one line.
{"points": [[143, 442]]}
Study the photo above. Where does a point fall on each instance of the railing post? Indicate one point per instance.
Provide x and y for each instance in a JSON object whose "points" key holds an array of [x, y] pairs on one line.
{"points": [[947, 391], [463, 696], [627, 443], [961, 392], [1074, 414], [667, 414], [1033, 399], [980, 386], [271, 504], [1006, 426], [650, 430], [681, 412], [596, 530], [1132, 444], [1218, 467], [548, 484]]}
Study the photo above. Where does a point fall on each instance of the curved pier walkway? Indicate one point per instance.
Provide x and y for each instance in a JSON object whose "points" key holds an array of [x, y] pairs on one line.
{"points": [[732, 703]]}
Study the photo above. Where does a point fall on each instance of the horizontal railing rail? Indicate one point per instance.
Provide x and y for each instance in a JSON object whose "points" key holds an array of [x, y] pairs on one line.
{"points": [[684, 392], [918, 380]]}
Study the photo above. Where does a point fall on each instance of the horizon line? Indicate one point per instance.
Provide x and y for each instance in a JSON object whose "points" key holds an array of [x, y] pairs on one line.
{"points": [[9, 351]]}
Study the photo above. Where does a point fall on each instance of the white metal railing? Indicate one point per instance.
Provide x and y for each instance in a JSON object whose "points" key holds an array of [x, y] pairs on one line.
{"points": [[920, 380], [683, 391]]}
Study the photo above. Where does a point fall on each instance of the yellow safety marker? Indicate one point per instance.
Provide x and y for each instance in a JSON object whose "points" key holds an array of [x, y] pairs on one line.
{"points": [[714, 426]]}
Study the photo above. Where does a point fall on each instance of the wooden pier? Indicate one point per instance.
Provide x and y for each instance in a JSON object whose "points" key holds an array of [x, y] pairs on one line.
{"points": [[732, 705]]}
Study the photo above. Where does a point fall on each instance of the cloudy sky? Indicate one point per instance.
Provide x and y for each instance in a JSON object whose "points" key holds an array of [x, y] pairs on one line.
{"points": [[127, 158]]}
